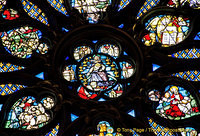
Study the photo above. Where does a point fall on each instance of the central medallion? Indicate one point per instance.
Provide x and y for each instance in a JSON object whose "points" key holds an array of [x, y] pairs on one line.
{"points": [[98, 72]]}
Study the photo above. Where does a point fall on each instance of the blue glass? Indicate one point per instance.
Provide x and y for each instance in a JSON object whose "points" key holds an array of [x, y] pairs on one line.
{"points": [[6, 89], [149, 4], [58, 5], [123, 4], [34, 12], [8, 67], [197, 37], [193, 75], [193, 53]]}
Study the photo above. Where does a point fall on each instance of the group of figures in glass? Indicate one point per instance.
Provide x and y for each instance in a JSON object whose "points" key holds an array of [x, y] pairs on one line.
{"points": [[98, 72], [177, 103]]}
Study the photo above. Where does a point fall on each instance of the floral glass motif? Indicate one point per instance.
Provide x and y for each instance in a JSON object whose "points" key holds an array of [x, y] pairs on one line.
{"points": [[34, 12], [6, 89], [192, 3], [8, 67], [10, 14], [105, 129], [28, 114], [193, 53], [176, 103], [2, 4], [158, 129], [123, 4], [58, 5], [91, 8], [166, 29], [21, 42], [99, 72], [54, 131], [149, 4], [192, 75]]}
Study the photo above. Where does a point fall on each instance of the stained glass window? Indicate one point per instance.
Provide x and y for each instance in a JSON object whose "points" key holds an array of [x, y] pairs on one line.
{"points": [[27, 113], [6, 89], [98, 70], [187, 54], [54, 132], [99, 67], [104, 128], [34, 12], [8, 67], [149, 4], [91, 9], [176, 103], [58, 5], [10, 14], [166, 29], [123, 4], [158, 129], [176, 3], [22, 41], [189, 75]]}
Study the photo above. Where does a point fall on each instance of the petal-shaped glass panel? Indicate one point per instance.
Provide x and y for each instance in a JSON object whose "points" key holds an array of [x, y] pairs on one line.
{"points": [[127, 69], [21, 42], [85, 94], [192, 75], [123, 4], [149, 4], [6, 89], [8, 67], [58, 5], [91, 8], [2, 4], [167, 30], [34, 12], [82, 51], [10, 14], [177, 103], [193, 53], [158, 129], [110, 49], [69, 73], [28, 114], [115, 92]]}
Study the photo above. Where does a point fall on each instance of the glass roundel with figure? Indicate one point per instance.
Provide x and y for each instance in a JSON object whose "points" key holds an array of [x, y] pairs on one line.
{"points": [[99, 67]]}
